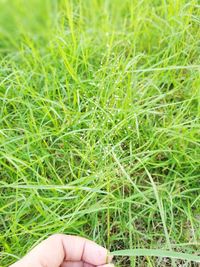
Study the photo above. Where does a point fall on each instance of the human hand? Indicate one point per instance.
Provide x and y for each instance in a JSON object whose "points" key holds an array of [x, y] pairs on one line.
{"points": [[66, 251]]}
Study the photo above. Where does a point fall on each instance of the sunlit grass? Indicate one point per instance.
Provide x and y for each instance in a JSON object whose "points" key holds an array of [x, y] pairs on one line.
{"points": [[99, 125]]}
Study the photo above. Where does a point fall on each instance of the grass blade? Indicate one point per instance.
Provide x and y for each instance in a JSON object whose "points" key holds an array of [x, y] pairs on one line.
{"points": [[157, 253]]}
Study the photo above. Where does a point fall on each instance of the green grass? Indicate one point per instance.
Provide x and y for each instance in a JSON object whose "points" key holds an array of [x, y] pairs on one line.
{"points": [[100, 125], [157, 253]]}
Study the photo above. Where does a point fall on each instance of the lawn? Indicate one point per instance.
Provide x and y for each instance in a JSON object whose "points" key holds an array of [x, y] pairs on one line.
{"points": [[100, 125]]}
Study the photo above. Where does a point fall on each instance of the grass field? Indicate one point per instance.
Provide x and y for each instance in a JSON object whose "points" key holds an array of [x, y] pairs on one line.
{"points": [[99, 125]]}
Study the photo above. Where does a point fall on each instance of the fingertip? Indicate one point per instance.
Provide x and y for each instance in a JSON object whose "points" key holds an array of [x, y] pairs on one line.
{"points": [[107, 265], [88, 265], [72, 264], [95, 254]]}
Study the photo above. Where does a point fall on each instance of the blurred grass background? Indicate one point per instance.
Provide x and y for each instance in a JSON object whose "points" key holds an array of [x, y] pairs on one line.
{"points": [[99, 124]]}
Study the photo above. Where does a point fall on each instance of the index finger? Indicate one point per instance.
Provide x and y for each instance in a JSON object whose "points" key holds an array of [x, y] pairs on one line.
{"points": [[58, 248]]}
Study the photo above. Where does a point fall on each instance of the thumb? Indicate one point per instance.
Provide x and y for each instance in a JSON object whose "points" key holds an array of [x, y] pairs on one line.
{"points": [[58, 248]]}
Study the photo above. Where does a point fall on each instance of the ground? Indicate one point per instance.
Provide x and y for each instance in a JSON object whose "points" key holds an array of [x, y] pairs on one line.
{"points": [[99, 125]]}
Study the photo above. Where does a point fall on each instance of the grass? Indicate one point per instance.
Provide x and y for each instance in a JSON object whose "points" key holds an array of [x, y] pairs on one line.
{"points": [[157, 253], [99, 125]]}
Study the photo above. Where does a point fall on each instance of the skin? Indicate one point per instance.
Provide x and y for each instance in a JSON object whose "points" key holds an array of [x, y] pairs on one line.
{"points": [[66, 251]]}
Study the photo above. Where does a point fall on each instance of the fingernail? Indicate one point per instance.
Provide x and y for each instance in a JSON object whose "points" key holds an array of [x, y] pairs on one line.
{"points": [[109, 258]]}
